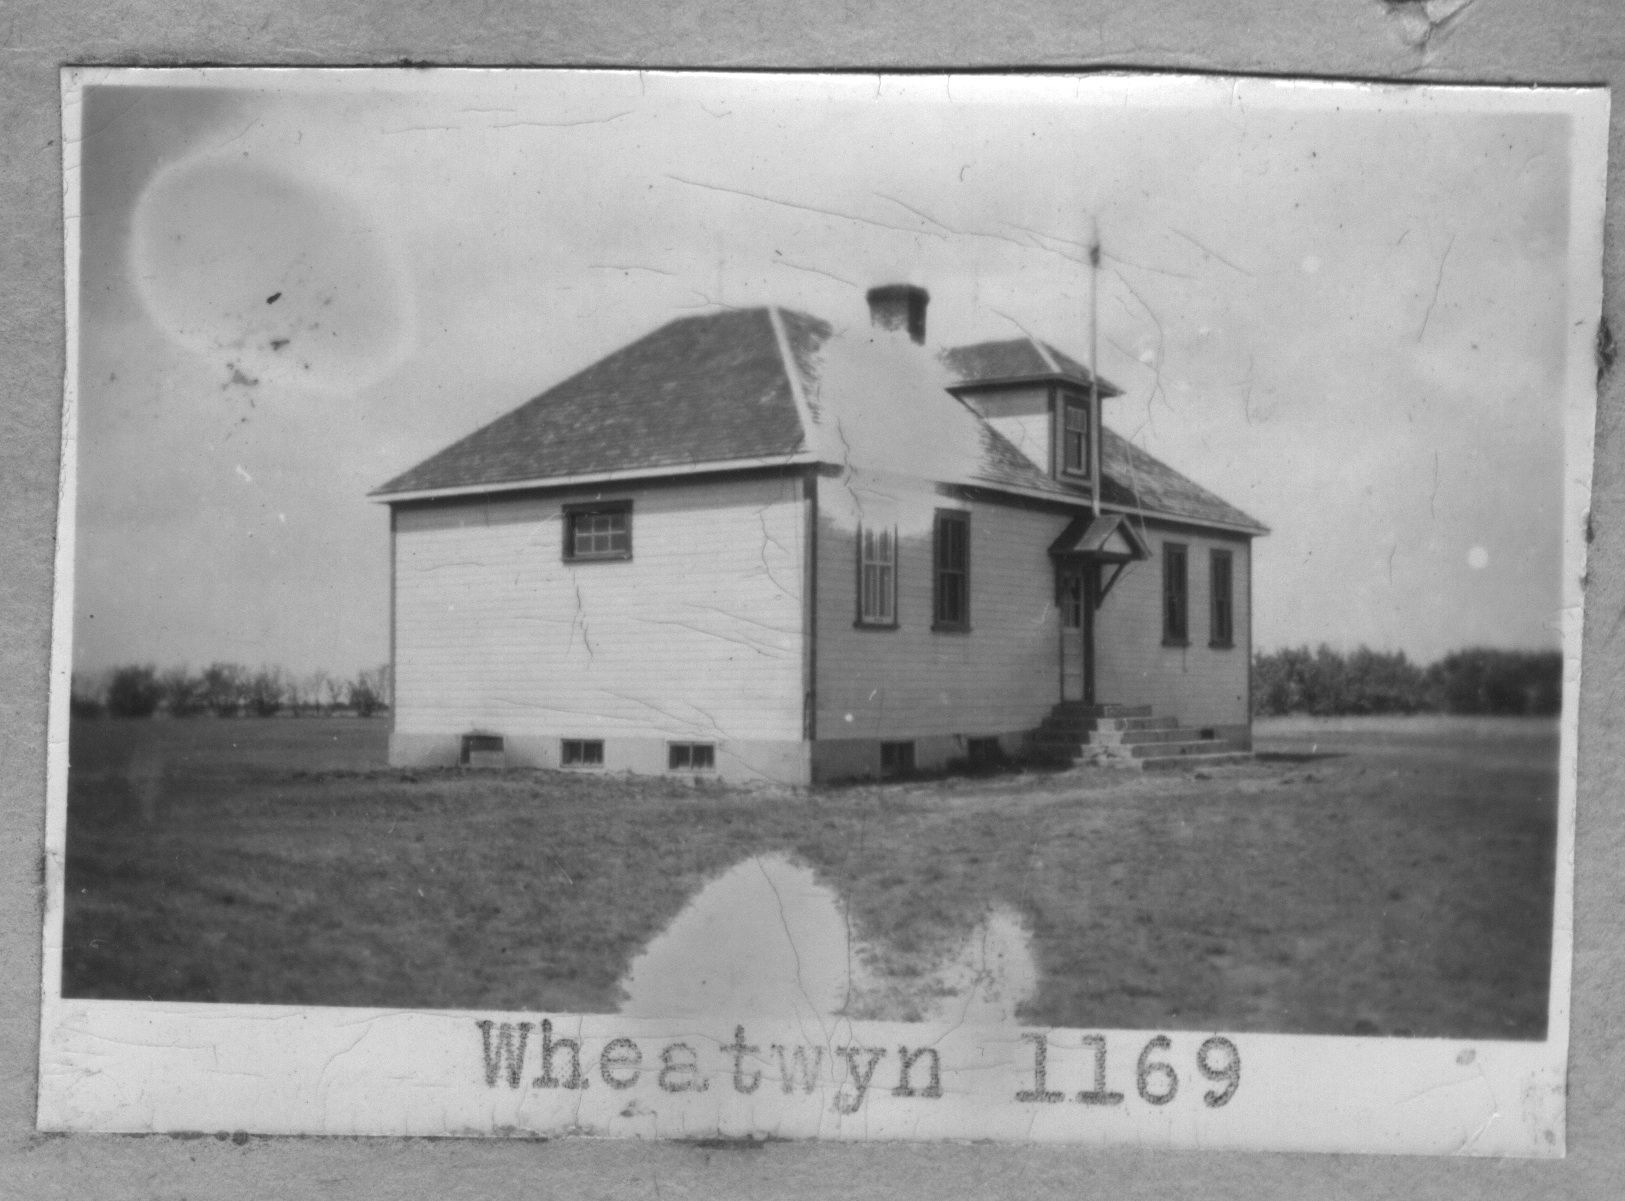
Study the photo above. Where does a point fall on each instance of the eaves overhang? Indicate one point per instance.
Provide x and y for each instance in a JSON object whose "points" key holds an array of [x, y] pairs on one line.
{"points": [[625, 475]]}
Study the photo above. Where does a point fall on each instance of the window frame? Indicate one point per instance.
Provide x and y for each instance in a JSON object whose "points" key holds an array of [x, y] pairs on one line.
{"points": [[1176, 590], [474, 744], [573, 512], [1221, 635], [581, 761], [1068, 403], [864, 620], [959, 624], [687, 750], [902, 756]]}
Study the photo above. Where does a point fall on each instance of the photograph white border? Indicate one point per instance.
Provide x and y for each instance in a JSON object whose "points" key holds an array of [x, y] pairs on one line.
{"points": [[131, 1066]]}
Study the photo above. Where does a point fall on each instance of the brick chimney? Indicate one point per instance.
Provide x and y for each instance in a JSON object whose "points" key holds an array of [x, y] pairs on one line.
{"points": [[899, 307]]}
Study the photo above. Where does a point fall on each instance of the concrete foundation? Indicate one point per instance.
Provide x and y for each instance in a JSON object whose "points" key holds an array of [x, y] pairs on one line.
{"points": [[738, 761]]}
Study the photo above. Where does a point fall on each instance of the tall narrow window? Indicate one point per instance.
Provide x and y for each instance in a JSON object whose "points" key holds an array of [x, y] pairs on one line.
{"points": [[877, 577], [602, 531], [1175, 596], [1075, 438], [952, 609], [1223, 599]]}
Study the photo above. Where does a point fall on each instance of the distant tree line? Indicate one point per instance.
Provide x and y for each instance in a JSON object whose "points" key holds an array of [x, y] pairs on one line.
{"points": [[228, 690], [1477, 680]]}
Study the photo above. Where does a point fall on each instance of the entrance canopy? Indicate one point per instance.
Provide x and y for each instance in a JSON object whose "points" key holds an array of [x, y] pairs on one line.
{"points": [[1108, 538]]}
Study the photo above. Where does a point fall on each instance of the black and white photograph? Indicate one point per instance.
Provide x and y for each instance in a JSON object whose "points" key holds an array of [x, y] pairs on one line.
{"points": [[734, 605]]}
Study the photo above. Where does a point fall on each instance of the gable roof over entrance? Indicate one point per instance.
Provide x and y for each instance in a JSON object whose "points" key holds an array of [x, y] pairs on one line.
{"points": [[1109, 538], [754, 387]]}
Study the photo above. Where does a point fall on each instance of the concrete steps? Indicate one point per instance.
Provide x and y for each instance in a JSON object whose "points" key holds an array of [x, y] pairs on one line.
{"points": [[1107, 725], [1189, 747], [1128, 736], [1078, 708]]}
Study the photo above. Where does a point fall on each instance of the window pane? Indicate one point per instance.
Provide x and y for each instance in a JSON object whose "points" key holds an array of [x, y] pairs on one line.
{"points": [[600, 533], [875, 580], [705, 755], [1075, 440], [1175, 626], [1223, 625], [952, 569]]}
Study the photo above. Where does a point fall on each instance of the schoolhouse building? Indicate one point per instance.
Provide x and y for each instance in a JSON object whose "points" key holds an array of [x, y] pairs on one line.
{"points": [[750, 545]]}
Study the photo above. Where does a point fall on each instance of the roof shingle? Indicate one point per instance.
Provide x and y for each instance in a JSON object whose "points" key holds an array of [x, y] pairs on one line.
{"points": [[1134, 479], [1016, 358], [716, 389], [699, 389]]}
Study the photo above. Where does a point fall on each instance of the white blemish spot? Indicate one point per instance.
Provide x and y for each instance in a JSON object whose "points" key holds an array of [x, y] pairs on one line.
{"points": [[763, 939], [247, 479], [767, 939], [848, 717], [1309, 265], [1478, 558]]}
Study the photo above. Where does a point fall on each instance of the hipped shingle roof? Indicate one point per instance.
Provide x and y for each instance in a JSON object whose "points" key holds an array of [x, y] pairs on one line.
{"points": [[718, 389]]}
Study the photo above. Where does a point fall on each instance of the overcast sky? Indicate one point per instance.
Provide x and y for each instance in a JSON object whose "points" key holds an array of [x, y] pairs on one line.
{"points": [[1343, 312]]}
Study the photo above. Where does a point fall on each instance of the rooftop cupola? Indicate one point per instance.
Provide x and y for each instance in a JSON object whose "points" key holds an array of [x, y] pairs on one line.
{"points": [[1040, 398]]}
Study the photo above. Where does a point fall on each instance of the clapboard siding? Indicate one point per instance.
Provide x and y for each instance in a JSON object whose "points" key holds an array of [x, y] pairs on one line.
{"points": [[699, 635], [910, 682], [1199, 684]]}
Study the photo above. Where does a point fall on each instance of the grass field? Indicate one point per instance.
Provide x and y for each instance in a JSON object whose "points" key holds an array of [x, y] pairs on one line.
{"points": [[1381, 876]]}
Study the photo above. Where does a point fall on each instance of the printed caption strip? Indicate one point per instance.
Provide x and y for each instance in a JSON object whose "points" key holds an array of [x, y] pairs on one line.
{"points": [[355, 1072]]}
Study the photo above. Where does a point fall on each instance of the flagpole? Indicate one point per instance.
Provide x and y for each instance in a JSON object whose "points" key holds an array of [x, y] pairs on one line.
{"points": [[1094, 375]]}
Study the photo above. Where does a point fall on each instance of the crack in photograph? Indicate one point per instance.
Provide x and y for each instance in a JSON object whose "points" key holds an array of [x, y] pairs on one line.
{"points": [[1001, 556]]}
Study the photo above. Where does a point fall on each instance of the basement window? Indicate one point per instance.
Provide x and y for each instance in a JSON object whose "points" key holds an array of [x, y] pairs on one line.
{"points": [[482, 750], [896, 759], [983, 752], [582, 752], [598, 531], [691, 756]]}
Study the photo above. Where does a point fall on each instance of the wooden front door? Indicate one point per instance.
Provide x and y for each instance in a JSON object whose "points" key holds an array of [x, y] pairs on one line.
{"points": [[1078, 589]]}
